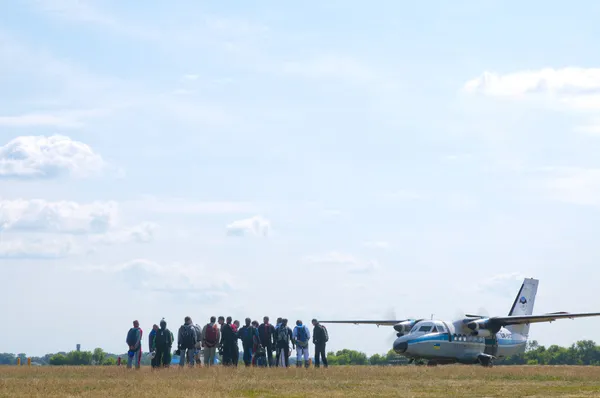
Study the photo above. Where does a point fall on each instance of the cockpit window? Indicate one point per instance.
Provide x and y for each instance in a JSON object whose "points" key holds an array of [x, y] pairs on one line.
{"points": [[440, 328], [425, 328]]}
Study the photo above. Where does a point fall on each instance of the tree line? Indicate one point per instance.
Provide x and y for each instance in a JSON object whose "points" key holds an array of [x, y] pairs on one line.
{"points": [[583, 352]]}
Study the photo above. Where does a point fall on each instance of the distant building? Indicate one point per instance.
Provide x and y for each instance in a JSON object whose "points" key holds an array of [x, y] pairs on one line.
{"points": [[78, 347]]}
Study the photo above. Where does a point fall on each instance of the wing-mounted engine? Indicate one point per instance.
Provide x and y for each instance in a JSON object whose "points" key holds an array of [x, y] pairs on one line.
{"points": [[483, 327], [404, 327]]}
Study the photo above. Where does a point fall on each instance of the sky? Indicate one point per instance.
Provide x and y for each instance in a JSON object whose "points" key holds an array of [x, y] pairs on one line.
{"points": [[330, 159]]}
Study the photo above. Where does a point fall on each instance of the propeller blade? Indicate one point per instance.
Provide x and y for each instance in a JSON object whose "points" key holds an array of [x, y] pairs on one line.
{"points": [[391, 314], [459, 314], [483, 312]]}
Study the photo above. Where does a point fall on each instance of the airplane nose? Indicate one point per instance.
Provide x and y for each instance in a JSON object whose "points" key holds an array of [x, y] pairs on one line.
{"points": [[400, 347]]}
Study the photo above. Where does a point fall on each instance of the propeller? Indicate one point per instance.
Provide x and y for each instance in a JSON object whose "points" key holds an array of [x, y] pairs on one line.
{"points": [[390, 314], [483, 312], [458, 314]]}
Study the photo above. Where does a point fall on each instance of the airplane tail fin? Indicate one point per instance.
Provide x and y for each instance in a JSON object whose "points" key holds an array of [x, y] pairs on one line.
{"points": [[523, 305]]}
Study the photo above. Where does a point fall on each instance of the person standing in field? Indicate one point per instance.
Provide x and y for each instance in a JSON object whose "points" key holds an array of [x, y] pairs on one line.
{"points": [[236, 354], [284, 337], [198, 346], [301, 336], [266, 334], [150, 344], [249, 336], [257, 348], [278, 358], [186, 342], [162, 344], [320, 338], [134, 341], [228, 340], [210, 339]]}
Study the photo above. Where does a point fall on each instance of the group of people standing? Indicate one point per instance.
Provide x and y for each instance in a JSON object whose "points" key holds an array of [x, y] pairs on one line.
{"points": [[259, 342]]}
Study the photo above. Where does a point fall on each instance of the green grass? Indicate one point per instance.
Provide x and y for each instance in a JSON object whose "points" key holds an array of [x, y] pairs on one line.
{"points": [[407, 381]]}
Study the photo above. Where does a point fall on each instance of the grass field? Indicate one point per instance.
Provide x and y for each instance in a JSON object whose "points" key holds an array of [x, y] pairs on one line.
{"points": [[408, 381]]}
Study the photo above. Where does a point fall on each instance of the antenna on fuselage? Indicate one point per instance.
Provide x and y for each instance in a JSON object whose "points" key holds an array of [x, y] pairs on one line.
{"points": [[431, 316]]}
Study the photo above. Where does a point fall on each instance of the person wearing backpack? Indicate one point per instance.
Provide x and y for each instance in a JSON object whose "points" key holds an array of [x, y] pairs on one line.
{"points": [[283, 339], [162, 344], [134, 341], [211, 336], [320, 338], [228, 342], [301, 336], [266, 334], [186, 342], [249, 335]]}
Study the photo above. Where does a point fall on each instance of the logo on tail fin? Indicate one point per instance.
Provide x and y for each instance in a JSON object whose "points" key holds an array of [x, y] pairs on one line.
{"points": [[523, 300]]}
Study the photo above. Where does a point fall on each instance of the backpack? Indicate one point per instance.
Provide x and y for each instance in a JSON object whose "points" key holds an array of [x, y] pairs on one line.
{"points": [[325, 334], [163, 338], [301, 339], [188, 335], [131, 337], [283, 335], [210, 339]]}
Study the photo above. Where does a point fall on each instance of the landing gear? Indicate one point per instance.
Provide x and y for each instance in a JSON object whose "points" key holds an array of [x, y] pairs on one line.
{"points": [[432, 363], [417, 362], [486, 361]]}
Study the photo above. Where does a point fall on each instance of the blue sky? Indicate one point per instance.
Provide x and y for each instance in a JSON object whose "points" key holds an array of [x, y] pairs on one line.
{"points": [[330, 159]]}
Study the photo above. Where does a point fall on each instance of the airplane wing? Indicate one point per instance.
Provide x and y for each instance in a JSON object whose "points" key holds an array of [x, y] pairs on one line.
{"points": [[369, 322], [520, 319]]}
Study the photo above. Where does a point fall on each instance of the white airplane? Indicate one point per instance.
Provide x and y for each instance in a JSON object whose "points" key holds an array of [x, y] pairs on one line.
{"points": [[473, 339]]}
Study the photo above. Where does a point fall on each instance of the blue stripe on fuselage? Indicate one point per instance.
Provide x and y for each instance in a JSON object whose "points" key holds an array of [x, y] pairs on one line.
{"points": [[444, 337], [430, 337]]}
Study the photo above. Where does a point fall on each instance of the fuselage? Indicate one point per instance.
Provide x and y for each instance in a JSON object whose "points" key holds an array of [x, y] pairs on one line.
{"points": [[452, 342]]}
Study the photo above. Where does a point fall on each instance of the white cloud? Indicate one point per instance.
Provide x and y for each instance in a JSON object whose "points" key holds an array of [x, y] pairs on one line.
{"points": [[331, 66], [37, 119], [377, 244], [189, 206], [350, 263], [574, 185], [571, 88], [85, 12], [590, 128], [501, 283], [565, 81], [254, 226], [403, 194], [35, 248], [176, 278], [142, 233], [63, 217], [64, 119], [40, 156], [191, 77]]}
